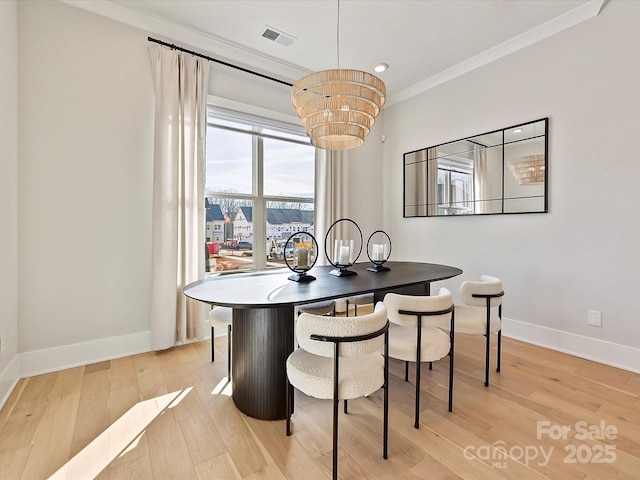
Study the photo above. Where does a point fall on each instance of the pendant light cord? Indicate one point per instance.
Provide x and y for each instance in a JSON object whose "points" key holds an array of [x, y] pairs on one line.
{"points": [[338, 36]]}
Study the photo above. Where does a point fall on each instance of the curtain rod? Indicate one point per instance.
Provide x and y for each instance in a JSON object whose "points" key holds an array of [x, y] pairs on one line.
{"points": [[176, 47]]}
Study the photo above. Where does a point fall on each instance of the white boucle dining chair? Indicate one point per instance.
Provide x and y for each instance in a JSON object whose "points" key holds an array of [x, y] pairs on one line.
{"points": [[481, 314], [340, 359], [416, 335], [220, 317], [359, 300], [327, 307]]}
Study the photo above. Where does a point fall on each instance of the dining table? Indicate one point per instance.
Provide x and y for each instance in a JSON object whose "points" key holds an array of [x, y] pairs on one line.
{"points": [[263, 319]]}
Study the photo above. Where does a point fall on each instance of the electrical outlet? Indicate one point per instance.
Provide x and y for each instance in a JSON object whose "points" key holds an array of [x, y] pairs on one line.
{"points": [[594, 318]]}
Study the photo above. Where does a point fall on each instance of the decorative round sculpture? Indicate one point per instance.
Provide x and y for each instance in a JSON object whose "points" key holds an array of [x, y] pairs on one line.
{"points": [[300, 255], [378, 250], [343, 255]]}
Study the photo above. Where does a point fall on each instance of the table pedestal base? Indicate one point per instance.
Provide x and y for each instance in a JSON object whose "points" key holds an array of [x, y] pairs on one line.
{"points": [[262, 341]]}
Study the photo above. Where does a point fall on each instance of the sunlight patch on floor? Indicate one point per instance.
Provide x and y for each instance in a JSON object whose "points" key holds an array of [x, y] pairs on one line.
{"points": [[118, 438], [222, 388]]}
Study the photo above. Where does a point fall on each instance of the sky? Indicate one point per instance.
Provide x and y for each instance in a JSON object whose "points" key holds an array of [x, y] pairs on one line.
{"points": [[288, 167]]}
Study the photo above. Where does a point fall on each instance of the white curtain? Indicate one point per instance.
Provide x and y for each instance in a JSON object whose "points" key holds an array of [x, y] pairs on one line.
{"points": [[331, 193], [180, 82], [480, 178], [433, 206]]}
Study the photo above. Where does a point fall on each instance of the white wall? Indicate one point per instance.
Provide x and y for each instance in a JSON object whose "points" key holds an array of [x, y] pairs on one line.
{"points": [[84, 183], [8, 195], [582, 254]]}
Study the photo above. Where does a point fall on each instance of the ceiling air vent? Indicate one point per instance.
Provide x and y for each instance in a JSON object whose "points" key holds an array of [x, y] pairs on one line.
{"points": [[277, 36]]}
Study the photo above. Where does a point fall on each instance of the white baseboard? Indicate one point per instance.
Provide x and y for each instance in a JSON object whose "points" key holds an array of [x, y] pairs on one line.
{"points": [[601, 351], [8, 379], [54, 359], [48, 360]]}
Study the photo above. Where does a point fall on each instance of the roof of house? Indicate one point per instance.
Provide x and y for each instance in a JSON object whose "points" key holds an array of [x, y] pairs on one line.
{"points": [[214, 212], [279, 216]]}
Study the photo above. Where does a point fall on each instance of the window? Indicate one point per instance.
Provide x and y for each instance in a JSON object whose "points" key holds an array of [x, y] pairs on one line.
{"points": [[455, 188], [259, 189]]}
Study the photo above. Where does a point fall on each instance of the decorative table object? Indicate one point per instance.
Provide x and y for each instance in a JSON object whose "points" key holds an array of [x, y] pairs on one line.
{"points": [[343, 255], [378, 250], [305, 253]]}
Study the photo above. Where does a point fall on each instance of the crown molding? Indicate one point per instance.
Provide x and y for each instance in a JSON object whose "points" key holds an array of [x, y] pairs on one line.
{"points": [[558, 24], [233, 53], [211, 45]]}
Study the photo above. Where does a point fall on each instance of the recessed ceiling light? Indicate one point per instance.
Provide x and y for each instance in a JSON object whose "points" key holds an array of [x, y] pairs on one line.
{"points": [[517, 130], [381, 67]]}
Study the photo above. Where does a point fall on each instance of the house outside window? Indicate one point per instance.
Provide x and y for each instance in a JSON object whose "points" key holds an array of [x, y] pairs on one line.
{"points": [[260, 181]]}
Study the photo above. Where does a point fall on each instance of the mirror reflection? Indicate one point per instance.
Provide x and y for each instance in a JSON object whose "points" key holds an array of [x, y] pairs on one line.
{"points": [[503, 171]]}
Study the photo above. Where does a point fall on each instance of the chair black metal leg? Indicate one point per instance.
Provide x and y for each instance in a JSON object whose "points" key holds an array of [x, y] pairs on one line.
{"points": [[451, 339], [488, 345], [486, 366], [213, 349], [385, 415], [335, 411], [499, 354], [335, 440], [416, 423], [346, 408], [229, 352], [418, 360], [406, 371], [288, 408], [499, 359], [292, 401], [430, 365]]}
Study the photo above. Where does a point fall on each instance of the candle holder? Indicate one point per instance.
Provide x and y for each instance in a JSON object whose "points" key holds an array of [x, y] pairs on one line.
{"points": [[343, 248], [305, 253], [379, 251]]}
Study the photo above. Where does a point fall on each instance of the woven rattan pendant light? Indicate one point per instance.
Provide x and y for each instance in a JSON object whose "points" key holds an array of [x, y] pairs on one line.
{"points": [[338, 107], [528, 170]]}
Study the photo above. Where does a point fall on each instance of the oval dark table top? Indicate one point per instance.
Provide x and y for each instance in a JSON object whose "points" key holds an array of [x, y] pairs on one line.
{"points": [[273, 289]]}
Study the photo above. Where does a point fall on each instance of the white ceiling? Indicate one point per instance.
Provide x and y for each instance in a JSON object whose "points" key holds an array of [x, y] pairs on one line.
{"points": [[424, 42]]}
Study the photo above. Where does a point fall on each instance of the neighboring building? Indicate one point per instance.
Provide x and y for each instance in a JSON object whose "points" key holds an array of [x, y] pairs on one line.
{"points": [[242, 225], [284, 222], [281, 223], [215, 222]]}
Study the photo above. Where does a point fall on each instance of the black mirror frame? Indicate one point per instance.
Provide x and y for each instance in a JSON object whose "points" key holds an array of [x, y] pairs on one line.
{"points": [[503, 169]]}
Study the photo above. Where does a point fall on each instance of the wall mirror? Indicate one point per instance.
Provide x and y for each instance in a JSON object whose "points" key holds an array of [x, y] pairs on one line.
{"points": [[504, 171]]}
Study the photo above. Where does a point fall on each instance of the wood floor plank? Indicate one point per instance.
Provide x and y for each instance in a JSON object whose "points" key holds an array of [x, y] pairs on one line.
{"points": [[235, 434], [168, 450], [137, 469], [164, 415], [122, 373], [13, 463], [12, 401], [22, 425], [93, 410], [53, 436], [220, 467], [286, 452], [202, 437]]}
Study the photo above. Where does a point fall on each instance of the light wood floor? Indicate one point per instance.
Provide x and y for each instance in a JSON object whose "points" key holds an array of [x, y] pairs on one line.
{"points": [[167, 415]]}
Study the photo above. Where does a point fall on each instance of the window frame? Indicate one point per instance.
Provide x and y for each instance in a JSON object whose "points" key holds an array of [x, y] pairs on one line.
{"points": [[259, 201]]}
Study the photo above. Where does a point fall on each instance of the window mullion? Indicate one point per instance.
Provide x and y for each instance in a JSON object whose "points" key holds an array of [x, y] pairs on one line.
{"points": [[259, 206]]}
